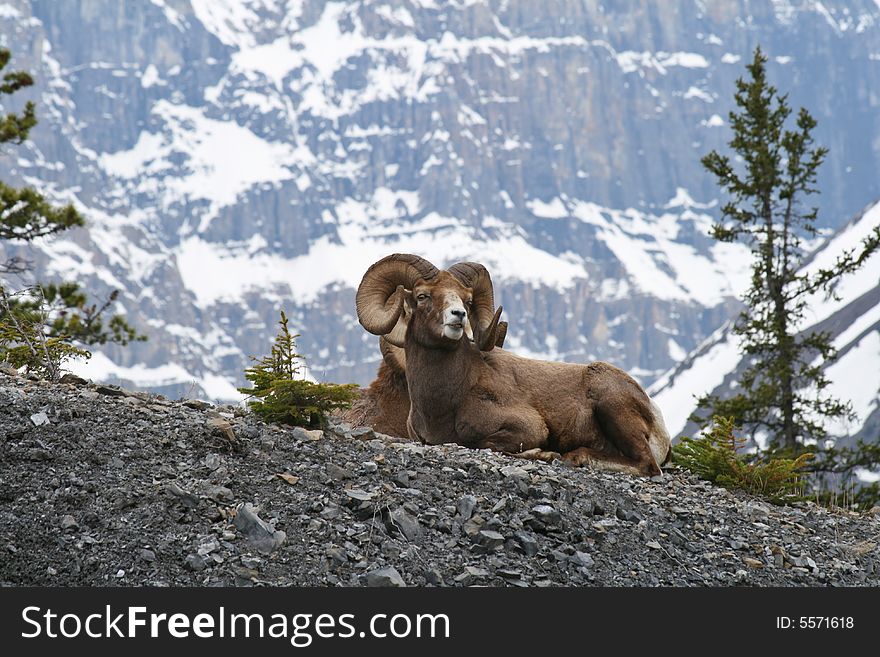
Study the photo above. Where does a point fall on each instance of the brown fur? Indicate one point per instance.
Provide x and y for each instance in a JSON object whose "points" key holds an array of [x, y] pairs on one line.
{"points": [[384, 405], [494, 399]]}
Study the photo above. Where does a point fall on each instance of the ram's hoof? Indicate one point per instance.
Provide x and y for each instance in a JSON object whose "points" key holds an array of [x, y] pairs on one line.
{"points": [[538, 454]]}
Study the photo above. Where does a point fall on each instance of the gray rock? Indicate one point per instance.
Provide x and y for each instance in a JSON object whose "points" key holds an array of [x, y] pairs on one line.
{"points": [[466, 505], [40, 419], [337, 473], [69, 524], [196, 404], [110, 391], [401, 521], [433, 577], [757, 512], [183, 496], [473, 526], [338, 556], [221, 427], [218, 493], [583, 559], [208, 545], [359, 495], [488, 539], [514, 471], [527, 542], [474, 571], [625, 512], [195, 562], [251, 562], [547, 514], [384, 577], [259, 533], [307, 434]]}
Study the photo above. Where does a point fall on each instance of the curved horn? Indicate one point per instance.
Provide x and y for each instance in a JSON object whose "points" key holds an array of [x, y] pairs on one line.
{"points": [[489, 337], [475, 276], [380, 295]]}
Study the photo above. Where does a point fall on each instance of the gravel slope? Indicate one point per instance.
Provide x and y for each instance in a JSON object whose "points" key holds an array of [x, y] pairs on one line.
{"points": [[102, 486]]}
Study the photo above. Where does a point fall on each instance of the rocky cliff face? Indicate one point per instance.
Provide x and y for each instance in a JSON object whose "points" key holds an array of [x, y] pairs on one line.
{"points": [[237, 158]]}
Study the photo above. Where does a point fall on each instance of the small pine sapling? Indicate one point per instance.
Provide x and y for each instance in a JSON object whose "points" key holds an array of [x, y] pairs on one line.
{"points": [[281, 395]]}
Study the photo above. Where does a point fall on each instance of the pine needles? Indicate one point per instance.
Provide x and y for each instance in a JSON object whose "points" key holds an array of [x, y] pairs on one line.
{"points": [[281, 395], [714, 457]]}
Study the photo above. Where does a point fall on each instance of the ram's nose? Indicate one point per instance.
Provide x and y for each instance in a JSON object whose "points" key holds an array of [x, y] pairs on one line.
{"points": [[459, 314]]}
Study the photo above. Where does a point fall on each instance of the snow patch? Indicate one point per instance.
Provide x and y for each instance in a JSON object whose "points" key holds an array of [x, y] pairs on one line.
{"points": [[367, 232], [676, 351], [851, 286], [676, 393], [222, 159], [852, 381], [699, 94], [659, 265], [555, 209], [631, 61], [683, 199], [100, 368], [151, 77]]}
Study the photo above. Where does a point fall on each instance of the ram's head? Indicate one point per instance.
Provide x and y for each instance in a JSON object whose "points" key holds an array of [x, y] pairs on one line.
{"points": [[442, 306]]}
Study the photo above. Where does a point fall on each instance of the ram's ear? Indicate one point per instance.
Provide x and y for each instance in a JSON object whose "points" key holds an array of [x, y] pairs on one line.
{"points": [[398, 333], [409, 301]]}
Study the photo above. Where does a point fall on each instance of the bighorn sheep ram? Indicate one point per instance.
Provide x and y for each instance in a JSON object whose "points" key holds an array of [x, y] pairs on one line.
{"points": [[469, 393], [384, 405]]}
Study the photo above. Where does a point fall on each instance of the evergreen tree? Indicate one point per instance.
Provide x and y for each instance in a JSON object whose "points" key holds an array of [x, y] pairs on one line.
{"points": [[40, 326], [24, 213], [281, 395], [784, 389]]}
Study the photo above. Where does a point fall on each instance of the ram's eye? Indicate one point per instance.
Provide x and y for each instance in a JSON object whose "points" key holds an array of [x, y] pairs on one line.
{"points": [[422, 297], [469, 303]]}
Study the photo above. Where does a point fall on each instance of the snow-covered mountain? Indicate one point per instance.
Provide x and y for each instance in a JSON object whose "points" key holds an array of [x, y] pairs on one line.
{"points": [[235, 158], [851, 316]]}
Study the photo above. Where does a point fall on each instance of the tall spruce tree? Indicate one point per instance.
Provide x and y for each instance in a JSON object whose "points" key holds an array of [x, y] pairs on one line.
{"points": [[783, 390], [39, 325]]}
